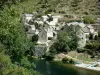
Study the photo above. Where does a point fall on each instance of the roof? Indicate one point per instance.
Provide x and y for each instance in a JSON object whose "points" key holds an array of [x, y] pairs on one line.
{"points": [[85, 29], [90, 26], [77, 23], [96, 27], [65, 28]]}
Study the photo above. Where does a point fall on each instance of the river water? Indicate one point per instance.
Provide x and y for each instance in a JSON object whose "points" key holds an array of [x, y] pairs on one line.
{"points": [[50, 68]]}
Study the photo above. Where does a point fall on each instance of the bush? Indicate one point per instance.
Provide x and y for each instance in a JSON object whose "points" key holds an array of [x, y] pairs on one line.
{"points": [[43, 6], [71, 61], [93, 48], [49, 57], [62, 12], [89, 20], [48, 11], [65, 60]]}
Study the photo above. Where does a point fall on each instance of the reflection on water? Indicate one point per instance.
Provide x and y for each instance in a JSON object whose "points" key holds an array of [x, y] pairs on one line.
{"points": [[48, 68]]}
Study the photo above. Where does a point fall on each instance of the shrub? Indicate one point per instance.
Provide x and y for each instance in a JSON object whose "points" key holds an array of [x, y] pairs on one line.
{"points": [[71, 61], [49, 57], [93, 48], [68, 60], [65, 60], [43, 6], [80, 50], [89, 20]]}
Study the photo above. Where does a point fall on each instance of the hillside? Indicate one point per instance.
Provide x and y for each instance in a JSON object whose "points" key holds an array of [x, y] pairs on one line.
{"points": [[69, 6], [86, 7]]}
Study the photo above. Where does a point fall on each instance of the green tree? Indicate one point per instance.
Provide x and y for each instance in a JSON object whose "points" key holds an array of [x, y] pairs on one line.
{"points": [[62, 44], [73, 33], [66, 41], [7, 68], [12, 33], [9, 2]]}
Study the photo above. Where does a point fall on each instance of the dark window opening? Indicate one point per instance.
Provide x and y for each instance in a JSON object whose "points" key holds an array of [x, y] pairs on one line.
{"points": [[49, 38]]}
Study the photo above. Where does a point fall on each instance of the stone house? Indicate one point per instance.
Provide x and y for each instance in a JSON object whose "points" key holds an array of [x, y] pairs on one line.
{"points": [[84, 32], [49, 31], [45, 36], [93, 31], [42, 37], [51, 20], [84, 36]]}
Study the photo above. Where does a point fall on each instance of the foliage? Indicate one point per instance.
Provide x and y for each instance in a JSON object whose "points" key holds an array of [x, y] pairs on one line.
{"points": [[66, 41], [65, 60], [71, 61], [12, 33], [7, 68], [73, 33], [52, 52], [26, 63], [16, 45], [9, 2], [93, 48], [4, 63], [75, 3], [68, 60], [93, 45], [62, 44], [89, 20], [13, 42]]}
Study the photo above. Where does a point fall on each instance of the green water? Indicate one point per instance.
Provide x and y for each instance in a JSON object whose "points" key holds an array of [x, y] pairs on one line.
{"points": [[51, 68]]}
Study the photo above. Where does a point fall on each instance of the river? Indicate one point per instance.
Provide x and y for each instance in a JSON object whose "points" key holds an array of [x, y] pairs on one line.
{"points": [[51, 68]]}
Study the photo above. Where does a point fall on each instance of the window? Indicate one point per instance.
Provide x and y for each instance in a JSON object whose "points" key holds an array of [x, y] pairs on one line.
{"points": [[49, 38]]}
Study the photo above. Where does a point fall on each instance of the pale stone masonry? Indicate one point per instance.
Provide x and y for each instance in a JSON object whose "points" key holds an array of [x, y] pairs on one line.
{"points": [[46, 28]]}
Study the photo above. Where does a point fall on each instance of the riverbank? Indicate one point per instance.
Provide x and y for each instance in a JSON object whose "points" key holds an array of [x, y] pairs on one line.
{"points": [[58, 68], [88, 66], [77, 69], [79, 63]]}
